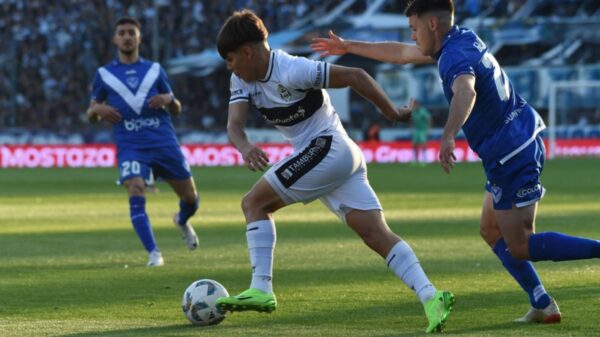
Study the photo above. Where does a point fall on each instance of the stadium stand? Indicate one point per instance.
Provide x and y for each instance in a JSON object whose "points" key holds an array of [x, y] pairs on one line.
{"points": [[50, 49]]}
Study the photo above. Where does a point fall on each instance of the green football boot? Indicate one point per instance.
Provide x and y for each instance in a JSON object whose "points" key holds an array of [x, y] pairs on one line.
{"points": [[251, 299], [437, 310]]}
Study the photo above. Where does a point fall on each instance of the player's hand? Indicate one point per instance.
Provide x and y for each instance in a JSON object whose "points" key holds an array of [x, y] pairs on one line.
{"points": [[160, 100], [446, 156], [334, 45], [405, 112], [255, 158], [107, 113]]}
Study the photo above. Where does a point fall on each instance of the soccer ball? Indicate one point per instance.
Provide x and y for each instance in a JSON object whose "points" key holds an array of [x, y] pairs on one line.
{"points": [[199, 302]]}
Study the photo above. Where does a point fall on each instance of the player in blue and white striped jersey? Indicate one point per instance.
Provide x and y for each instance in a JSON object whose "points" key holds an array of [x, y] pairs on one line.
{"points": [[501, 127], [134, 95]]}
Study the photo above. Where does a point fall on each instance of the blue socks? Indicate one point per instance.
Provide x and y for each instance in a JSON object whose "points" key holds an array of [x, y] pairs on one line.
{"points": [[543, 247], [560, 247], [141, 223], [524, 273], [187, 210]]}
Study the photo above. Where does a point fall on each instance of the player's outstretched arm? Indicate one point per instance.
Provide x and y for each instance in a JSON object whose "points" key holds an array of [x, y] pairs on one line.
{"points": [[363, 84], [254, 157], [460, 108], [100, 111], [391, 52]]}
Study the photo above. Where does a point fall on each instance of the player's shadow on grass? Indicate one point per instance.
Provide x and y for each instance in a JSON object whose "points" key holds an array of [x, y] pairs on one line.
{"points": [[472, 316], [166, 330]]}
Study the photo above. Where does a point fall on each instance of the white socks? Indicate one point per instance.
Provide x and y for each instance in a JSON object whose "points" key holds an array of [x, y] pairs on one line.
{"points": [[261, 239], [403, 262]]}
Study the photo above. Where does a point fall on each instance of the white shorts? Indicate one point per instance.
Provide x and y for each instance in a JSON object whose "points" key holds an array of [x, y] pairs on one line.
{"points": [[331, 168]]}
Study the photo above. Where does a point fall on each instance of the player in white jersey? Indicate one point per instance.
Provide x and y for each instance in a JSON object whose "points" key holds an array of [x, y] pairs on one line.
{"points": [[326, 165]]}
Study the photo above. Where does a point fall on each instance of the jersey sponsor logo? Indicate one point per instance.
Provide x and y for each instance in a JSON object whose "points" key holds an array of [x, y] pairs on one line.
{"points": [[496, 193], [511, 116], [296, 167], [140, 123], [319, 75], [295, 113], [136, 102], [525, 191]]}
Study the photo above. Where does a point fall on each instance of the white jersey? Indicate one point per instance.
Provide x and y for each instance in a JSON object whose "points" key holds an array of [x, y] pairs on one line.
{"points": [[291, 97]]}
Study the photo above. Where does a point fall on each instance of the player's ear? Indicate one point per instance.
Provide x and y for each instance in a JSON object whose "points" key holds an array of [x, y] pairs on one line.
{"points": [[247, 51], [433, 22]]}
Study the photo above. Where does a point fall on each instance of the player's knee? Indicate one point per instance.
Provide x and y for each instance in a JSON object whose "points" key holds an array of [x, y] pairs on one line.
{"points": [[246, 203], [135, 188], [372, 236], [519, 251], [252, 204], [190, 198], [489, 235]]}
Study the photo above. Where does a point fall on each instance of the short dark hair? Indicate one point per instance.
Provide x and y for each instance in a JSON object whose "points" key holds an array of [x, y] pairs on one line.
{"points": [[241, 27], [420, 7], [128, 20]]}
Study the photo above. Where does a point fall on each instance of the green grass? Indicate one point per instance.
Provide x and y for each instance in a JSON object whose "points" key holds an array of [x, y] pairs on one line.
{"points": [[72, 266]]}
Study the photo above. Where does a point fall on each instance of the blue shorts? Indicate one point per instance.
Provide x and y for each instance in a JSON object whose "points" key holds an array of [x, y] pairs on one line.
{"points": [[162, 162], [517, 182]]}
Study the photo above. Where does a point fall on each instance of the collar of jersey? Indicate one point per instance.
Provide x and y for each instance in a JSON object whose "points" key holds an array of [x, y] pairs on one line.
{"points": [[451, 33], [117, 62], [270, 69]]}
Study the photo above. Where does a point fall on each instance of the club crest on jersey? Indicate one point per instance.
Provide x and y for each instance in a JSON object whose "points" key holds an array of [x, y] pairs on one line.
{"points": [[285, 94], [496, 193], [133, 81]]}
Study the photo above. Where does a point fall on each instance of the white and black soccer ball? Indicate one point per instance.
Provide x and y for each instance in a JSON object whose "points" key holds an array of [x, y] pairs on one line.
{"points": [[199, 302]]}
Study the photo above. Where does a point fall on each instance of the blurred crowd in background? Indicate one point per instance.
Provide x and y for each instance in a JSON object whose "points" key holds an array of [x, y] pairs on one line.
{"points": [[50, 49]]}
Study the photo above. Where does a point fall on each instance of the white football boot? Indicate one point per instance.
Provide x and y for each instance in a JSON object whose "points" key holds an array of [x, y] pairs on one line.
{"points": [[188, 235], [155, 259], [550, 314]]}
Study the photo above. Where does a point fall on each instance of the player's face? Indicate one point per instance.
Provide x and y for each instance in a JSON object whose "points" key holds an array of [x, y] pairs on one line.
{"points": [[240, 63], [127, 38], [422, 34]]}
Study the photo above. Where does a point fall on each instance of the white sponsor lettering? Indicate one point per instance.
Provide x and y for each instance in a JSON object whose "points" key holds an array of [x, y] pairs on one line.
{"points": [[227, 155], [512, 115], [57, 156], [528, 190], [139, 123]]}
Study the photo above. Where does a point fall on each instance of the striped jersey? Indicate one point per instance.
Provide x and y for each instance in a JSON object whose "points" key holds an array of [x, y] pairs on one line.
{"points": [[127, 88], [291, 97]]}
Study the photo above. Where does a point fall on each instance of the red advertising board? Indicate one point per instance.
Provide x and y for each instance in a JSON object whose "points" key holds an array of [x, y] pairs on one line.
{"points": [[31, 156]]}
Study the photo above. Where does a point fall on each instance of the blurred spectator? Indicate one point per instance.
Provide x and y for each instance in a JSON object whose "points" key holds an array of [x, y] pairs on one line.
{"points": [[49, 50]]}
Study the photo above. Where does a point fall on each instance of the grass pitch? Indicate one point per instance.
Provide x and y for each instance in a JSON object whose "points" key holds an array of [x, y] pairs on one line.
{"points": [[71, 264]]}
